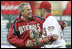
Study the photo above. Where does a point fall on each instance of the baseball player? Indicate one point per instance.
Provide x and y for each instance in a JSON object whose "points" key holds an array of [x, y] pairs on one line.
{"points": [[52, 32], [44, 5]]}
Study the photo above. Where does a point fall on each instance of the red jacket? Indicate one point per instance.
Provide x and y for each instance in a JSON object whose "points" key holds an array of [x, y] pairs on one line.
{"points": [[19, 30]]}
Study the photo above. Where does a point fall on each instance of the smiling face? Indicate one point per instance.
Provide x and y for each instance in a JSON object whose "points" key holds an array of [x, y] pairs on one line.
{"points": [[26, 11]]}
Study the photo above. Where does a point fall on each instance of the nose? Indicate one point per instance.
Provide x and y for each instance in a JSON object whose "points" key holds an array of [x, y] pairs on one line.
{"points": [[30, 10]]}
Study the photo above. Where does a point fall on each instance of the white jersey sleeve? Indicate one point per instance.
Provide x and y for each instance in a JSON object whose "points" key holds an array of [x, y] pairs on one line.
{"points": [[50, 26]]}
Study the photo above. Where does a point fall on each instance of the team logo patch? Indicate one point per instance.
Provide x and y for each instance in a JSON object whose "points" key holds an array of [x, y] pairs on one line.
{"points": [[50, 28]]}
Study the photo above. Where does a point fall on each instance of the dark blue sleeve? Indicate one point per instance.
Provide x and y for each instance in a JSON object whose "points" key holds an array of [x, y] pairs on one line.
{"points": [[39, 18]]}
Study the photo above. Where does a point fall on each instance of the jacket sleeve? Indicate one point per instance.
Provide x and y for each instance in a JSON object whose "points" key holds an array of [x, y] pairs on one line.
{"points": [[61, 25], [14, 40]]}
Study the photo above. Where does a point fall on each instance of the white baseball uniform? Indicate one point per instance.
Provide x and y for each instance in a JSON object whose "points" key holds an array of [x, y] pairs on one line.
{"points": [[51, 26]]}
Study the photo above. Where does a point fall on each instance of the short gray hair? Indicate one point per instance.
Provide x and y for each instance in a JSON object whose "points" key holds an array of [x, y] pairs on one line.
{"points": [[21, 5]]}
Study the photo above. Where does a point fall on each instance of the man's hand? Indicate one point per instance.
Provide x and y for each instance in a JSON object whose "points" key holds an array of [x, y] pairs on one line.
{"points": [[63, 24], [43, 40], [29, 43], [40, 41]]}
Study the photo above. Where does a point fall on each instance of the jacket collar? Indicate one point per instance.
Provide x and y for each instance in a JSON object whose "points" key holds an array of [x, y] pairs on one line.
{"points": [[48, 15], [25, 19]]}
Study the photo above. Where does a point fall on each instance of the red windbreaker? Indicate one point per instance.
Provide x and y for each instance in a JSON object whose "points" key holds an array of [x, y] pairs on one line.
{"points": [[19, 39]]}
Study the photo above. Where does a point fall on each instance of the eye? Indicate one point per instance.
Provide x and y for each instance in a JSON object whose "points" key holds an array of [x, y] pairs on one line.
{"points": [[22, 10], [28, 9]]}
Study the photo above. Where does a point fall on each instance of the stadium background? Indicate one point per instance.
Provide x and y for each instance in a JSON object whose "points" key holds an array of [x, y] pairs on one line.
{"points": [[9, 12]]}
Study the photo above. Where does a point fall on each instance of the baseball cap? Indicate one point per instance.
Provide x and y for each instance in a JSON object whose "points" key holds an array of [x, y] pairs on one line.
{"points": [[44, 4]]}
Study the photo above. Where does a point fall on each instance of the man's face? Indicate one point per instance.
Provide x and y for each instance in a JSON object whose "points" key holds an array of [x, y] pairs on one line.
{"points": [[26, 12], [41, 12]]}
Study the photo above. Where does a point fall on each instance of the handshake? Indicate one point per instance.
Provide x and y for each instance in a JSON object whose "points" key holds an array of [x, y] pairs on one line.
{"points": [[36, 40], [34, 43]]}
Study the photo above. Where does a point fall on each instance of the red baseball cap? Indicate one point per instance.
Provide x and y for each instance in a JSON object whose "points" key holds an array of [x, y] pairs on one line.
{"points": [[44, 4]]}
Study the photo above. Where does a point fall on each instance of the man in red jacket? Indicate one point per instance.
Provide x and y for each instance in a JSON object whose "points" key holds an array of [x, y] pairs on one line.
{"points": [[20, 32]]}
